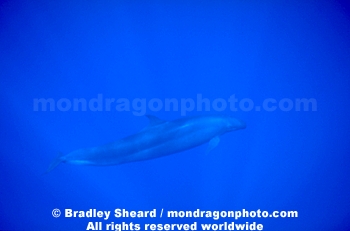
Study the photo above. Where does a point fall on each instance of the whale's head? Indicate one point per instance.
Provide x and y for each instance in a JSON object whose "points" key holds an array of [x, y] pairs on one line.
{"points": [[234, 124]]}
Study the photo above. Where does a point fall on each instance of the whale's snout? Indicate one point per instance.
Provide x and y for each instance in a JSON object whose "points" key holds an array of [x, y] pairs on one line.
{"points": [[243, 125], [235, 124]]}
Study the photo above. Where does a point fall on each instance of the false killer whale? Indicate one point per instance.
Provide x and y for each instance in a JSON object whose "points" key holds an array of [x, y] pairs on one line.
{"points": [[159, 138]]}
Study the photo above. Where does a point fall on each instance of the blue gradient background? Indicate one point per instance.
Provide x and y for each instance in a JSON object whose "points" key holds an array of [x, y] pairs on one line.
{"points": [[145, 49]]}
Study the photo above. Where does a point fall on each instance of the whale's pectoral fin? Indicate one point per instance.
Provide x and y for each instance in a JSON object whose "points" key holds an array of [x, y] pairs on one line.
{"points": [[55, 162], [212, 144]]}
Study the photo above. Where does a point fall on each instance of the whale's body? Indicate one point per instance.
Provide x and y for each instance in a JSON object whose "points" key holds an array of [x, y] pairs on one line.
{"points": [[159, 138]]}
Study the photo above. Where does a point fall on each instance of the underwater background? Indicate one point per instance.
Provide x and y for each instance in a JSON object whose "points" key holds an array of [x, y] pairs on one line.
{"points": [[287, 159]]}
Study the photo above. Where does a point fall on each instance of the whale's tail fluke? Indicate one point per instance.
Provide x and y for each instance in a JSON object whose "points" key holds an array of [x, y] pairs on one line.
{"points": [[55, 162]]}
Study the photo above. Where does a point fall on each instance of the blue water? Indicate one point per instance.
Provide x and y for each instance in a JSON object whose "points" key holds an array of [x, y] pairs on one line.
{"points": [[284, 159]]}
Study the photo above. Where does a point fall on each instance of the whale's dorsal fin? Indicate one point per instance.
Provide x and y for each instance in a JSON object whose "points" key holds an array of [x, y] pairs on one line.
{"points": [[153, 120]]}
